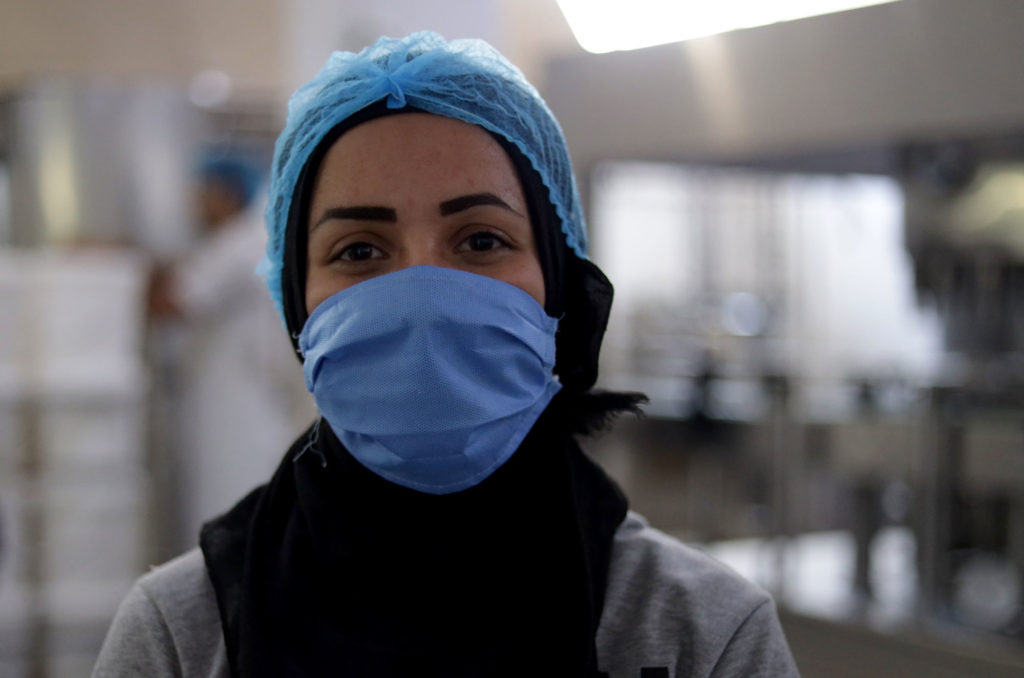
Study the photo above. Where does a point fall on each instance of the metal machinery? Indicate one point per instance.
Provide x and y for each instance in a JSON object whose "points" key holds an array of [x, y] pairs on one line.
{"points": [[95, 184], [939, 451], [965, 220]]}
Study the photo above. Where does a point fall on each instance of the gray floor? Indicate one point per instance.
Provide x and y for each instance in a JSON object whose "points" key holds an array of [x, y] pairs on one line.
{"points": [[835, 633], [830, 649]]}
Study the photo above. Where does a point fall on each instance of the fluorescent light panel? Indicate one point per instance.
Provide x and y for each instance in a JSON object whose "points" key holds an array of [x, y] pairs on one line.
{"points": [[611, 25]]}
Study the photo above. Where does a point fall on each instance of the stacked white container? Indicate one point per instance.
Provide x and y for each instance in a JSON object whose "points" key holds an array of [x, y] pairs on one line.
{"points": [[15, 600], [75, 474]]}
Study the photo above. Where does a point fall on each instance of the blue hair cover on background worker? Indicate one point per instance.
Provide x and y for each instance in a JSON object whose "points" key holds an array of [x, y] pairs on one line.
{"points": [[232, 397]]}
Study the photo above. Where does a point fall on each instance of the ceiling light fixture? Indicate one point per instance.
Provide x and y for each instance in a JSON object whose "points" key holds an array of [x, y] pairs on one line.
{"points": [[611, 25]]}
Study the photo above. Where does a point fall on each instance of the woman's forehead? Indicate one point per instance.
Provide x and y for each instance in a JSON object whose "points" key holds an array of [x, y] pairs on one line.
{"points": [[421, 151]]}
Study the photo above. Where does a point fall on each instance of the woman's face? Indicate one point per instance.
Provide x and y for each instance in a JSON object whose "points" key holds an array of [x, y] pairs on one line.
{"points": [[412, 189]]}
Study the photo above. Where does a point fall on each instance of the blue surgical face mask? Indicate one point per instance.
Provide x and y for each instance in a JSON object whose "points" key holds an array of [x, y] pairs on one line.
{"points": [[431, 377]]}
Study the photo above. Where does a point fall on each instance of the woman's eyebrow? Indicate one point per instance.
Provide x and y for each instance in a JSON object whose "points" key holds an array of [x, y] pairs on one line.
{"points": [[464, 202], [359, 213]]}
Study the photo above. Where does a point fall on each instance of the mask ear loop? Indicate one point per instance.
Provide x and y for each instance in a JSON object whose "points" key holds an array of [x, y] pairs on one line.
{"points": [[576, 291], [293, 273], [296, 236], [312, 444], [546, 226]]}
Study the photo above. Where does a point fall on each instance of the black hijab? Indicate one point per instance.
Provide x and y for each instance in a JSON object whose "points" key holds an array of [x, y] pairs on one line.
{"points": [[331, 570]]}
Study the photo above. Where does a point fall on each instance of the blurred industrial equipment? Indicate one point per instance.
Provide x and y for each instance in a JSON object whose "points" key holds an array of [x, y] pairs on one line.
{"points": [[94, 177], [831, 354], [75, 483], [95, 185]]}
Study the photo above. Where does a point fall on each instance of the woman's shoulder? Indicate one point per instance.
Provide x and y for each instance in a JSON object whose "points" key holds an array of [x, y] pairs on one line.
{"points": [[167, 625], [668, 604], [182, 580], [641, 553]]}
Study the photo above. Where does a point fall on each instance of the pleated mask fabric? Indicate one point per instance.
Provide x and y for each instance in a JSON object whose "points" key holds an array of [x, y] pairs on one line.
{"points": [[430, 377]]}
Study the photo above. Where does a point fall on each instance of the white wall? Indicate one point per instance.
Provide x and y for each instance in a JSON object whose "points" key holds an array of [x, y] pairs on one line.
{"points": [[909, 69]]}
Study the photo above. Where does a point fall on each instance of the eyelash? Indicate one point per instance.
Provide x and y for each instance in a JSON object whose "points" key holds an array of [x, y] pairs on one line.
{"points": [[490, 235], [346, 253], [342, 255]]}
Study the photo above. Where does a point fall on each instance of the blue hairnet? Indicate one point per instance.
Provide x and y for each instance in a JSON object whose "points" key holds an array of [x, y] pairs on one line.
{"points": [[237, 174], [464, 79]]}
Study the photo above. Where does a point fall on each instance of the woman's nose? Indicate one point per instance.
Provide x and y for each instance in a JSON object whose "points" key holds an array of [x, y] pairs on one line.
{"points": [[426, 256]]}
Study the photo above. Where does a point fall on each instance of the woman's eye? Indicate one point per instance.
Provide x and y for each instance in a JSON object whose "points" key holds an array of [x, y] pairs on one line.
{"points": [[484, 241], [360, 251]]}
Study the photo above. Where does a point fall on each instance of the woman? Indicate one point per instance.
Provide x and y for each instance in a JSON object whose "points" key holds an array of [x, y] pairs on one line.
{"points": [[427, 254]]}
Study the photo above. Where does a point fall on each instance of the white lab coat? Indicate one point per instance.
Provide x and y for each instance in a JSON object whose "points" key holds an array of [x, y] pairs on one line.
{"points": [[242, 396]]}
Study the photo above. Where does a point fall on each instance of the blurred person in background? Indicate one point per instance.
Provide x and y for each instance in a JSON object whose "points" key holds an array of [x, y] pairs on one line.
{"points": [[427, 252], [235, 399]]}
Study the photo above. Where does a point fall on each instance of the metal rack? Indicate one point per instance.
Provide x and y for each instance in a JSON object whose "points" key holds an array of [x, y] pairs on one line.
{"points": [[74, 486]]}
